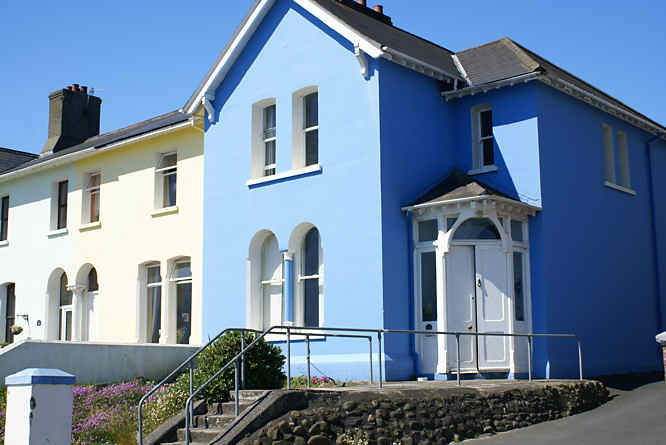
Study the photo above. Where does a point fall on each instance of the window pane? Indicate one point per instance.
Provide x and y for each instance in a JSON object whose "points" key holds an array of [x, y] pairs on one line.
{"points": [[270, 153], [311, 253], [477, 228], [518, 286], [182, 271], [428, 287], [4, 218], [428, 230], [154, 312], [62, 204], [488, 151], [311, 106], [486, 123], [184, 321], [65, 294], [93, 285], [270, 119], [169, 160], [609, 153], [68, 325], [450, 222], [311, 302], [517, 230], [94, 181], [623, 159], [10, 313], [154, 275], [94, 206], [312, 147], [169, 192]]}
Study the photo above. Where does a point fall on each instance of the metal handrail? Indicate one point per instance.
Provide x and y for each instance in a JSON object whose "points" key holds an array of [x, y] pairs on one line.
{"points": [[318, 331]]}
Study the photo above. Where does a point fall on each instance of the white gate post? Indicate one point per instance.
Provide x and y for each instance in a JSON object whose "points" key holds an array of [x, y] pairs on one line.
{"points": [[661, 339], [39, 407]]}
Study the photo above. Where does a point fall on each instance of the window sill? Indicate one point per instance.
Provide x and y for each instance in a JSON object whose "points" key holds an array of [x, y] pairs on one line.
{"points": [[620, 188], [57, 233], [482, 170], [164, 211], [90, 226], [4, 243], [285, 175]]}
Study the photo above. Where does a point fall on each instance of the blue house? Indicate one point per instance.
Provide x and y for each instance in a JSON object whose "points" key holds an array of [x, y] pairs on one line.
{"points": [[359, 176]]}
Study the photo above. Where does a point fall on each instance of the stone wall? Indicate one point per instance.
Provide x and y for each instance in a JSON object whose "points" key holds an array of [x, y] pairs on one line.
{"points": [[433, 416]]}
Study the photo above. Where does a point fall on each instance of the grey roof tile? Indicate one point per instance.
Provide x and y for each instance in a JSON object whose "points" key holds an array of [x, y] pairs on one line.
{"points": [[458, 185], [13, 158]]}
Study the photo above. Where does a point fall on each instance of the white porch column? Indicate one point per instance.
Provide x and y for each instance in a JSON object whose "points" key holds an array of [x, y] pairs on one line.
{"points": [[78, 295]]}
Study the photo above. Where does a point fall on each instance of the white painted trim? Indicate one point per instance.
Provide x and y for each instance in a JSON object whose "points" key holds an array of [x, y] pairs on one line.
{"points": [[470, 91], [461, 68], [4, 243], [620, 188], [362, 61], [287, 174], [90, 226], [56, 233], [475, 198], [417, 65], [72, 157], [164, 211], [482, 170]]}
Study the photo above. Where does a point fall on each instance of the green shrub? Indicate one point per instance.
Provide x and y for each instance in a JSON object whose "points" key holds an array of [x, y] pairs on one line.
{"points": [[166, 403], [263, 367], [3, 412]]}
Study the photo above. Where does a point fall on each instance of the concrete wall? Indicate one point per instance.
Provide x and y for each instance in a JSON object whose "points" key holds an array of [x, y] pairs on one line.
{"points": [[128, 236], [286, 54], [95, 362]]}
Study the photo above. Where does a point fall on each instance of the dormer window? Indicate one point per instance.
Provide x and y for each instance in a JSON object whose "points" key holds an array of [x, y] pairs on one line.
{"points": [[270, 139], [483, 150]]}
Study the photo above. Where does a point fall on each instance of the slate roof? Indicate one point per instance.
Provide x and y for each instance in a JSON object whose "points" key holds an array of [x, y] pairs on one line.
{"points": [[12, 158], [458, 185], [504, 59], [102, 140]]}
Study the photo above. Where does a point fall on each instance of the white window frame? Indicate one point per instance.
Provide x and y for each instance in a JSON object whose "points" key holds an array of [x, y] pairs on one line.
{"points": [[55, 194], [609, 153], [4, 226], [621, 180], [172, 299], [299, 288], [258, 165], [88, 193], [623, 159], [299, 132], [148, 285], [478, 162], [161, 175]]}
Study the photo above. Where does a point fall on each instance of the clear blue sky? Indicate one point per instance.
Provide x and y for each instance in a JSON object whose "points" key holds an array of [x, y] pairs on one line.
{"points": [[149, 56]]}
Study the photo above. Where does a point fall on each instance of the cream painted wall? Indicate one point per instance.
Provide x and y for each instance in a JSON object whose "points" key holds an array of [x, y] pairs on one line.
{"points": [[129, 235]]}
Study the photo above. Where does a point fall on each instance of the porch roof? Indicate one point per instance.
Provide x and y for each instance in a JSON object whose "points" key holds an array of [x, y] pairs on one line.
{"points": [[459, 186]]}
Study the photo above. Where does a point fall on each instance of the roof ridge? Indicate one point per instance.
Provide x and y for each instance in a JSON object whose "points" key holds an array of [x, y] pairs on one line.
{"points": [[482, 45], [521, 53], [136, 124]]}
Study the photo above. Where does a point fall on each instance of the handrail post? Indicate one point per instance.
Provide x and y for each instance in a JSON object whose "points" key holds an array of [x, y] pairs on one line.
{"points": [[236, 407], [529, 357], [458, 357], [140, 424], [242, 362], [379, 339], [187, 422], [191, 388], [288, 358], [307, 343], [580, 359], [370, 341]]}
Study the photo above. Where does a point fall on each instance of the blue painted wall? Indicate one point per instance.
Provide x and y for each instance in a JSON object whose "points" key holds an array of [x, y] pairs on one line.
{"points": [[596, 244], [286, 54]]}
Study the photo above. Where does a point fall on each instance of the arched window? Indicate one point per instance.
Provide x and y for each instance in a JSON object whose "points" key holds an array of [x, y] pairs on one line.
{"points": [[271, 282], [477, 229], [65, 311], [310, 278], [93, 285]]}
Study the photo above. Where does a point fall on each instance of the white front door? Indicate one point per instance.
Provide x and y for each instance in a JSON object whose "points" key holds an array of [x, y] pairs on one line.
{"points": [[476, 301], [427, 310]]}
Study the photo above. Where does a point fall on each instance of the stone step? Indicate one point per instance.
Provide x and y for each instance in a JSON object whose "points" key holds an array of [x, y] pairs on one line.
{"points": [[228, 407], [213, 421], [247, 394], [204, 435]]}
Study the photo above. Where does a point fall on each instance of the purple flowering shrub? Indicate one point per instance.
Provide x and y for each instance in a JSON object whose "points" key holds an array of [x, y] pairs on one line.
{"points": [[106, 415], [301, 381]]}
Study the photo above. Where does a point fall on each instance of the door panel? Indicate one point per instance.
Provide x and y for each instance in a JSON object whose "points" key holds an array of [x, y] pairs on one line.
{"points": [[461, 311], [492, 306], [427, 312]]}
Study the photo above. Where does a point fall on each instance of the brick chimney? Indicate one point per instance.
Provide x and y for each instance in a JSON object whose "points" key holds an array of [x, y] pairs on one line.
{"points": [[73, 118]]}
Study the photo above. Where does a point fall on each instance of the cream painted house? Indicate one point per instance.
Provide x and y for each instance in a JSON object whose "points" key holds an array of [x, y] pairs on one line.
{"points": [[101, 235]]}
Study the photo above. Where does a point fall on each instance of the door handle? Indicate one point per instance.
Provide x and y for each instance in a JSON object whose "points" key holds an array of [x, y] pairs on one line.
{"points": [[478, 282]]}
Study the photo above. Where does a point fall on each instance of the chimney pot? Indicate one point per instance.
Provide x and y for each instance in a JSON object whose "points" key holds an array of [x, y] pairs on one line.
{"points": [[76, 86], [379, 9], [69, 87], [363, 3], [84, 89]]}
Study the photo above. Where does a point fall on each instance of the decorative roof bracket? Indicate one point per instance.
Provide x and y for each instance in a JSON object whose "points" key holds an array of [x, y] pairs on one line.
{"points": [[362, 60], [207, 102]]}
